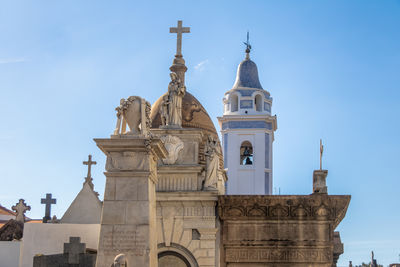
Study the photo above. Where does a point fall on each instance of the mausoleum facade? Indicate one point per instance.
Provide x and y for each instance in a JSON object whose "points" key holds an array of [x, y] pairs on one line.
{"points": [[165, 201]]}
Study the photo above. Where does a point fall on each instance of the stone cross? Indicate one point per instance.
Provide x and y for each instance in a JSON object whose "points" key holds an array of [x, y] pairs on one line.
{"points": [[73, 249], [89, 163], [48, 201], [179, 30], [20, 208]]}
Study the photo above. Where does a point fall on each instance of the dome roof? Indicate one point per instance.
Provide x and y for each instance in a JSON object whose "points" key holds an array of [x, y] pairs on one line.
{"points": [[247, 75], [193, 114]]}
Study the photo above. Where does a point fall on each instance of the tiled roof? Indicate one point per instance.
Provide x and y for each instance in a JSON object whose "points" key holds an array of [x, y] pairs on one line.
{"points": [[5, 211]]}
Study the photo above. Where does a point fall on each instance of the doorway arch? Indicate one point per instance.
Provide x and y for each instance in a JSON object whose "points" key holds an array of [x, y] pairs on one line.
{"points": [[175, 256]]}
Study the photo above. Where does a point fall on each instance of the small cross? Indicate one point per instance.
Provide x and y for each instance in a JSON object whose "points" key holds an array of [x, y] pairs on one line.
{"points": [[20, 208], [48, 201], [321, 152], [179, 30], [73, 249], [89, 163]]}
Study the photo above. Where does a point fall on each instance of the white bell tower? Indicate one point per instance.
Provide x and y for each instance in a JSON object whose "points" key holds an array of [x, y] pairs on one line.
{"points": [[247, 129]]}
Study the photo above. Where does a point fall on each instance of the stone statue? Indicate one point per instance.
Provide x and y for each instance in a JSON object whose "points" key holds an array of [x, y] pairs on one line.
{"points": [[120, 261], [20, 208], [164, 110], [212, 161], [171, 111], [135, 111]]}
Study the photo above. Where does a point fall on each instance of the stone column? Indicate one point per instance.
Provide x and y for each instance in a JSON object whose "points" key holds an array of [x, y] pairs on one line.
{"points": [[128, 221]]}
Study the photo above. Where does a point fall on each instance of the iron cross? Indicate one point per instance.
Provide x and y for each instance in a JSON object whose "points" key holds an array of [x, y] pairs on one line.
{"points": [[321, 152], [179, 30], [247, 43], [89, 163], [48, 201]]}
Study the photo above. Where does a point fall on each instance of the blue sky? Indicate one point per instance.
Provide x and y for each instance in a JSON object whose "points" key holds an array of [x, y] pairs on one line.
{"points": [[332, 68]]}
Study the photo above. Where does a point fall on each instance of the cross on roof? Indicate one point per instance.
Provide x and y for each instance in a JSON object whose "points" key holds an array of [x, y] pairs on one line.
{"points": [[89, 163], [247, 43], [20, 208], [73, 249], [179, 30], [48, 201], [321, 152]]}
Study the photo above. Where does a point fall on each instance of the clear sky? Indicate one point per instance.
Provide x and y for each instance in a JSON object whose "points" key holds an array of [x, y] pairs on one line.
{"points": [[332, 68]]}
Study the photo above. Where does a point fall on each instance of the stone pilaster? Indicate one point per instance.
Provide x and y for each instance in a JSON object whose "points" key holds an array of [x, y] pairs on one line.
{"points": [[319, 181], [128, 221]]}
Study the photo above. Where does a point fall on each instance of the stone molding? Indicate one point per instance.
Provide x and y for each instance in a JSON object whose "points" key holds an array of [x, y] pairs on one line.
{"points": [[271, 254], [312, 207]]}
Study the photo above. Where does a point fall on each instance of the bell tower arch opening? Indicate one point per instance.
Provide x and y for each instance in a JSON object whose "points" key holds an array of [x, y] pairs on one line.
{"points": [[246, 153], [258, 102], [234, 103]]}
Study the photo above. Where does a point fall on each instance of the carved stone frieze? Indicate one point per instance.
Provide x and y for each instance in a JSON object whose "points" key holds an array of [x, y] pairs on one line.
{"points": [[274, 255], [126, 161], [313, 207]]}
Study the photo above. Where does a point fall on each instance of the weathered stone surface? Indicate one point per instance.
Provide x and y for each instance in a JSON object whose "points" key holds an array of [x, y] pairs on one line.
{"points": [[128, 223], [280, 230], [74, 256], [179, 214]]}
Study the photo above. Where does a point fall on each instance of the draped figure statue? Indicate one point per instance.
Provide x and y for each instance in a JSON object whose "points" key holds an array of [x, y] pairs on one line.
{"points": [[212, 161], [171, 111]]}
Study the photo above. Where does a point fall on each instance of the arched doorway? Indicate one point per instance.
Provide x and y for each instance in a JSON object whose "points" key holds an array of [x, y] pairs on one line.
{"points": [[175, 256], [172, 259]]}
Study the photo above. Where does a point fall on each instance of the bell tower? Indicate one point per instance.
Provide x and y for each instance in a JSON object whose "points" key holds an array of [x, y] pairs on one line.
{"points": [[247, 129]]}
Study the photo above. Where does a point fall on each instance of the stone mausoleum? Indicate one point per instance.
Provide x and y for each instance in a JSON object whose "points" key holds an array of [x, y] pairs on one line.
{"points": [[175, 196]]}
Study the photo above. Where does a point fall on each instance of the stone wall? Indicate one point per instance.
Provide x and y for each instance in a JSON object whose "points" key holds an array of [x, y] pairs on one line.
{"points": [[296, 231], [9, 253], [48, 238], [187, 225]]}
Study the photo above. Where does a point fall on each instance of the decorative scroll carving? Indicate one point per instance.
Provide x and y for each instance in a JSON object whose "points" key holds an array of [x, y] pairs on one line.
{"points": [[134, 112], [174, 145], [313, 207]]}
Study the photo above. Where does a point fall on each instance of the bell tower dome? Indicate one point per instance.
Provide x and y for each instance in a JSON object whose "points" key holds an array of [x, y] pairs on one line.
{"points": [[247, 129]]}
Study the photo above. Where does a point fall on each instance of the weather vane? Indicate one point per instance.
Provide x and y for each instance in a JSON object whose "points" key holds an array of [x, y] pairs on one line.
{"points": [[248, 46]]}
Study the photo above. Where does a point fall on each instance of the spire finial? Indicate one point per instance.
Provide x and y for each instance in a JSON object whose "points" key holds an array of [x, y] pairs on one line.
{"points": [[178, 65], [248, 46]]}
